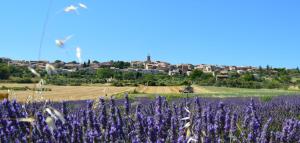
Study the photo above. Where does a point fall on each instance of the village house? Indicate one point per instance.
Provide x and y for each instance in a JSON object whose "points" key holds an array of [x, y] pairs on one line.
{"points": [[129, 70], [95, 65], [206, 68], [150, 66], [105, 64], [232, 68], [224, 74], [19, 63], [62, 71], [71, 65], [58, 64], [137, 64], [184, 68], [38, 64], [163, 66], [147, 66], [241, 71], [243, 68], [151, 71], [173, 72]]}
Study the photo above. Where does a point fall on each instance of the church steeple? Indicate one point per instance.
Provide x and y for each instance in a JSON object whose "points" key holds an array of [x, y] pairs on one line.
{"points": [[148, 58]]}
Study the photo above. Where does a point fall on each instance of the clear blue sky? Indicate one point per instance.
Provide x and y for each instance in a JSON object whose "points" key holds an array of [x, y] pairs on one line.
{"points": [[231, 32]]}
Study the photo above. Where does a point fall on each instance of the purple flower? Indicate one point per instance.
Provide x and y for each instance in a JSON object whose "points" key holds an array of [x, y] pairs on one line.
{"points": [[103, 115], [127, 105], [139, 125], [151, 130], [264, 133], [233, 123]]}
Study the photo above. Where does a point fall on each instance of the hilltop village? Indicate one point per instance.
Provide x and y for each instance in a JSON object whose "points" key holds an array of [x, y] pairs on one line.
{"points": [[145, 67]]}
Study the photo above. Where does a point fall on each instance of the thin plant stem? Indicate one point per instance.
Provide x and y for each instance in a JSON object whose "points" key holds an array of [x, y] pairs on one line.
{"points": [[44, 29]]}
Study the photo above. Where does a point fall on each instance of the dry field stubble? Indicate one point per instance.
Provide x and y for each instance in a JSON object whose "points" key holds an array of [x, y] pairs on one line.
{"points": [[59, 93], [169, 89], [158, 89], [67, 93]]}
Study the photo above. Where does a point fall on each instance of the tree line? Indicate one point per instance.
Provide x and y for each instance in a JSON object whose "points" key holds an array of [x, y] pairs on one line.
{"points": [[262, 78]]}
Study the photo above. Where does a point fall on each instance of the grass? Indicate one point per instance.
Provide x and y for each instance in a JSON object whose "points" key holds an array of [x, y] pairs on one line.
{"points": [[94, 91], [18, 88], [223, 92], [249, 92]]}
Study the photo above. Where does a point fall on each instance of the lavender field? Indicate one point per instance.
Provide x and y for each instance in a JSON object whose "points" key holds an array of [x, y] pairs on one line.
{"points": [[150, 71], [182, 120]]}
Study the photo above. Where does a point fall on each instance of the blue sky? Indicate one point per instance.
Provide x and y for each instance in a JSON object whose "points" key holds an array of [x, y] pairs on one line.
{"points": [[230, 32]]}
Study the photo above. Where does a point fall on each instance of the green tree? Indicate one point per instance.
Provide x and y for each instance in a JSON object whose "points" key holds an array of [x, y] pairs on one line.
{"points": [[105, 73], [57, 61], [248, 77], [118, 75], [95, 61], [285, 79], [129, 75], [260, 70], [120, 64], [73, 62], [4, 71], [84, 65], [234, 75], [149, 79], [196, 74], [268, 67], [89, 63]]}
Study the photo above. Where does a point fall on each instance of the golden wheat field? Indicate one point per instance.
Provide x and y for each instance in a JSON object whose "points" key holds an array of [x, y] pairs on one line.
{"points": [[67, 93], [158, 89], [169, 89], [59, 93]]}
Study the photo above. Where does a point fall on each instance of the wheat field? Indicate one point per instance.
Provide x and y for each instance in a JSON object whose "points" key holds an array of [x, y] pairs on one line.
{"points": [[158, 89], [71, 93], [66, 93]]}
